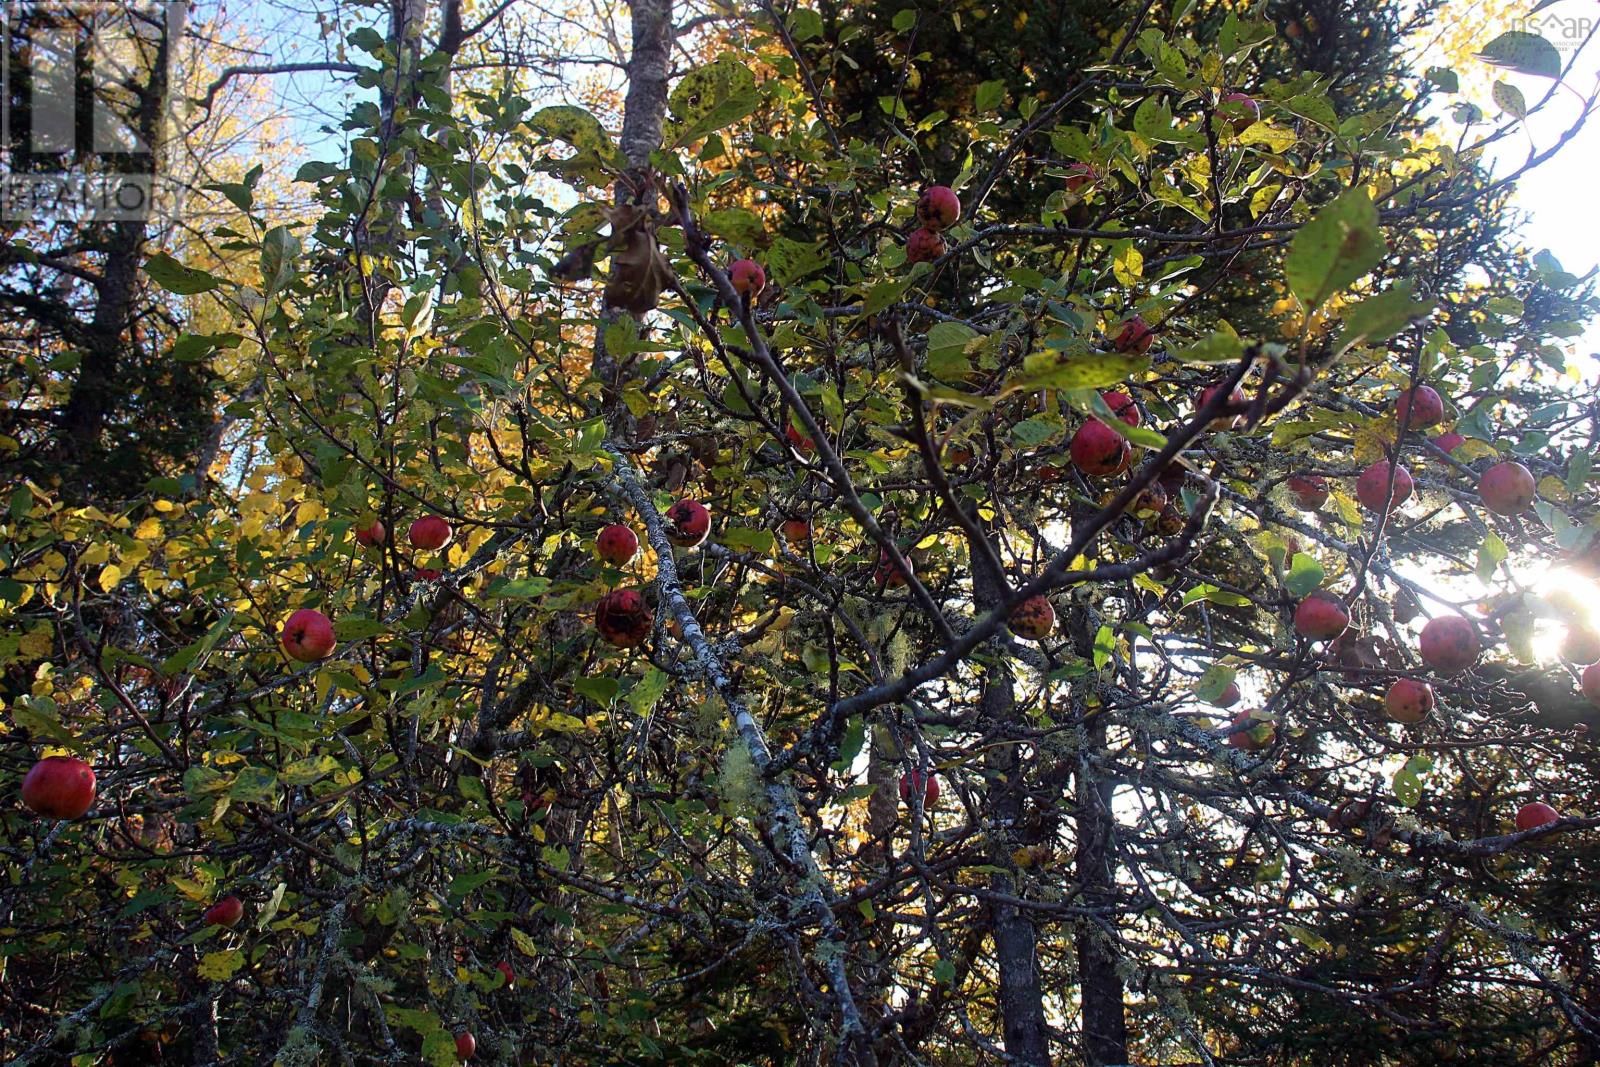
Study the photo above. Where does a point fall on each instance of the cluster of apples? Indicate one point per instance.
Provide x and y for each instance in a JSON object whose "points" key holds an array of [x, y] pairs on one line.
{"points": [[622, 616], [938, 209], [1448, 644]]}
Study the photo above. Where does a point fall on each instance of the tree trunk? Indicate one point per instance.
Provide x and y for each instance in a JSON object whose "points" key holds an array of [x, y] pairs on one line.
{"points": [[1105, 1028], [1016, 942]]}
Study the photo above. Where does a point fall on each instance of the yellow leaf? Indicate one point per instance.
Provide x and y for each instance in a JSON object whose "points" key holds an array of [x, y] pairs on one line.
{"points": [[149, 530], [110, 575], [1553, 489], [95, 554]]}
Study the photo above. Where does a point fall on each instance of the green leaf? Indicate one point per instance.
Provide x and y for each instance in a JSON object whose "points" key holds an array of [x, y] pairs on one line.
{"points": [[1525, 53], [1380, 317], [647, 691], [1444, 78], [1335, 249], [174, 277], [736, 224], [194, 347], [308, 770], [1491, 554], [1510, 99], [805, 24], [1035, 431], [280, 250], [356, 627], [1408, 780], [1214, 682], [1307, 937], [947, 350], [602, 690], [182, 659], [1313, 107], [1105, 642], [850, 745], [270, 909], [710, 97], [1222, 346], [220, 966], [990, 95], [523, 587], [1305, 575], [1075, 370]]}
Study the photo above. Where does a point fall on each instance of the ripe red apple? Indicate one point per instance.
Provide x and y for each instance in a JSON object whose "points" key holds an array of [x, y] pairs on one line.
{"points": [[890, 576], [1507, 488], [924, 246], [1134, 337], [373, 533], [1310, 491], [307, 636], [938, 208], [1250, 734], [688, 522], [798, 439], [1098, 450], [623, 618], [504, 967], [1449, 644], [427, 574], [1240, 109], [617, 545], [59, 787], [1079, 175], [1373, 484], [1591, 684], [796, 531], [1033, 619], [1236, 399], [1408, 701], [225, 912], [1580, 645], [1321, 616], [1449, 441], [1422, 404], [747, 278], [914, 780], [1229, 696], [466, 1045], [430, 532], [1123, 407], [1534, 815]]}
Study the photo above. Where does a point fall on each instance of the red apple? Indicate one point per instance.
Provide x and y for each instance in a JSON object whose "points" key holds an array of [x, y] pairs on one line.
{"points": [[890, 576], [1373, 485], [1449, 441], [1408, 701], [430, 532], [623, 618], [1310, 491], [796, 531], [1321, 616], [1098, 450], [1134, 337], [688, 522], [1236, 399], [1240, 109], [225, 912], [1449, 644], [797, 437], [1229, 696], [373, 533], [1033, 619], [307, 636], [1080, 175], [617, 545], [924, 246], [59, 787], [747, 278], [1507, 488], [1247, 733], [938, 208], [1580, 645], [1591, 684], [1534, 815], [1422, 404], [466, 1045], [914, 780], [504, 967], [1123, 407], [427, 574]]}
